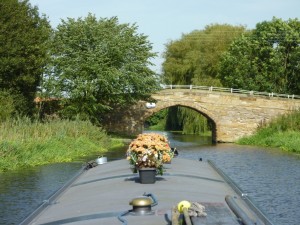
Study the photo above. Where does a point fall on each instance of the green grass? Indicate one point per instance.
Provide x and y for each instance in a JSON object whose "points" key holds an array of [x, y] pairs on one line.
{"points": [[159, 126], [24, 143], [283, 133]]}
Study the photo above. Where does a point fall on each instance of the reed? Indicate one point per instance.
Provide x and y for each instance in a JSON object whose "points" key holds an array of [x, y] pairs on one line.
{"points": [[29, 143], [283, 132]]}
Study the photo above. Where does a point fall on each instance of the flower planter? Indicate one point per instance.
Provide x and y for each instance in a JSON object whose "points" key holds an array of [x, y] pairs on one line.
{"points": [[149, 151], [147, 175]]}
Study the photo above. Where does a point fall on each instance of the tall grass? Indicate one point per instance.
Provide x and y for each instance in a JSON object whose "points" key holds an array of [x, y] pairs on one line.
{"points": [[27, 143], [283, 132]]}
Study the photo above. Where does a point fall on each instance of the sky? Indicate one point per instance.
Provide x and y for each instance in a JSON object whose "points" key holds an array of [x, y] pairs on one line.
{"points": [[166, 20]]}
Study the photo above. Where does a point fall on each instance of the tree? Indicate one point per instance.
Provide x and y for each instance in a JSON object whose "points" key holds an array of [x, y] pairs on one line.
{"points": [[267, 59], [194, 58], [187, 120], [98, 65], [7, 105], [23, 51]]}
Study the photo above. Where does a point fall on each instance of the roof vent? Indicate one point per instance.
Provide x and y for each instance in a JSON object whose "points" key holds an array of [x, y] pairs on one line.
{"points": [[141, 206]]}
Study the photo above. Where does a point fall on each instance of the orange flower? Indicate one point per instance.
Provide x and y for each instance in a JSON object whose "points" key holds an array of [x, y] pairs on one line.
{"points": [[149, 150]]}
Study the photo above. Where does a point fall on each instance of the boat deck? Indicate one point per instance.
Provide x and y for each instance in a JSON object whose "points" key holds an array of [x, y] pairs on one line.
{"points": [[102, 193]]}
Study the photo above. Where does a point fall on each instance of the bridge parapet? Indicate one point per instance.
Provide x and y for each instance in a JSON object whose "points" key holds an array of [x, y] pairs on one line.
{"points": [[231, 90]]}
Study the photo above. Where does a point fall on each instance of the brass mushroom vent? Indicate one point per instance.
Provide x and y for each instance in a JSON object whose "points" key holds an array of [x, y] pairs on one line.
{"points": [[141, 205]]}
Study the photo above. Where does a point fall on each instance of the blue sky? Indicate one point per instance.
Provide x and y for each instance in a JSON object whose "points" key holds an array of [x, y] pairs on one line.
{"points": [[165, 20]]}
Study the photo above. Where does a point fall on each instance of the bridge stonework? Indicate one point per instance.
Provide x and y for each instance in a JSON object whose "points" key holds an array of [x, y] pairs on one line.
{"points": [[232, 115]]}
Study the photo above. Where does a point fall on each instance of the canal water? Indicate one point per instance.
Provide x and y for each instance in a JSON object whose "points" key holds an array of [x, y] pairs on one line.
{"points": [[269, 177]]}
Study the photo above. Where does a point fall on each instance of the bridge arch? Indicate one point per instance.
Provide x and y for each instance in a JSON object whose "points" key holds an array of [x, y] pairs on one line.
{"points": [[208, 115], [233, 115]]}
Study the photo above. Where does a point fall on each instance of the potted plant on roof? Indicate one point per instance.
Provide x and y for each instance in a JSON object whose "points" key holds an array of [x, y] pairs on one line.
{"points": [[147, 153]]}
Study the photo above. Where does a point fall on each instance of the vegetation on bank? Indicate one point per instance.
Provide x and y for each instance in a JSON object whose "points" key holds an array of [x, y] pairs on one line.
{"points": [[26, 143], [283, 133]]}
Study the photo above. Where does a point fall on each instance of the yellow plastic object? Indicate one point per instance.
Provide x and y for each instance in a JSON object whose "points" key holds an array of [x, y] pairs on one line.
{"points": [[183, 204]]}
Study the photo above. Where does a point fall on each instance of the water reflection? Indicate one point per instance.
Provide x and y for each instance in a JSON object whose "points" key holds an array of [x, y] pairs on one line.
{"points": [[24, 190], [271, 178]]}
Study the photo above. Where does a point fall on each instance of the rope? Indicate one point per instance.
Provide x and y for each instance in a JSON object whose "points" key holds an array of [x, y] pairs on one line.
{"points": [[187, 218], [196, 209]]}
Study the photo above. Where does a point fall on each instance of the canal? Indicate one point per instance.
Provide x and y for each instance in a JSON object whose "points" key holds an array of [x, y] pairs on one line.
{"points": [[269, 177]]}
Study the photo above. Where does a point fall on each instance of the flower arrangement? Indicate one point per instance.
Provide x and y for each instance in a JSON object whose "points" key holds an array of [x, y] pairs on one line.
{"points": [[149, 150]]}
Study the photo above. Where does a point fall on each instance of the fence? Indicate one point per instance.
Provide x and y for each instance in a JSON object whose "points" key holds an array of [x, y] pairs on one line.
{"points": [[231, 90]]}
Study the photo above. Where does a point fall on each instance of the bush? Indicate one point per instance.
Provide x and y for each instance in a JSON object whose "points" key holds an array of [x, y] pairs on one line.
{"points": [[27, 143], [283, 132]]}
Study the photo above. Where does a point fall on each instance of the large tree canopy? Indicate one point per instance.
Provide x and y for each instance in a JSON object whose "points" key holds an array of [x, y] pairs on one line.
{"points": [[265, 60], [194, 58], [99, 64], [23, 50]]}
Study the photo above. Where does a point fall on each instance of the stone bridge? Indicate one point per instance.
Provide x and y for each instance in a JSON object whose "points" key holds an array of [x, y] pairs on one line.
{"points": [[232, 115]]}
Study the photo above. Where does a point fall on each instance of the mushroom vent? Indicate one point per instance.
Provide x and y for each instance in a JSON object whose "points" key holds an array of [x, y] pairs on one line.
{"points": [[141, 206]]}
